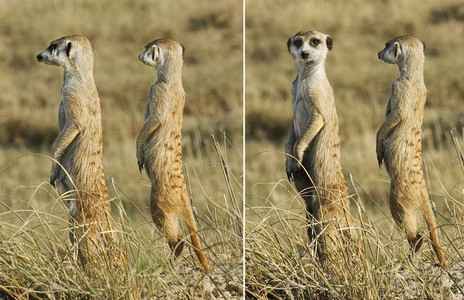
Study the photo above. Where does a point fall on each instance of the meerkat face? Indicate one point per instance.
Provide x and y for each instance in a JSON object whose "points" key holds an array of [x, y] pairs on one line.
{"points": [[68, 51], [392, 51], [400, 47], [58, 53], [157, 52], [309, 46]]}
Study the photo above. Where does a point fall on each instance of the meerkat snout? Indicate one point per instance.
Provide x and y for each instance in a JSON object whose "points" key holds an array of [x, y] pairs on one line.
{"points": [[304, 54]]}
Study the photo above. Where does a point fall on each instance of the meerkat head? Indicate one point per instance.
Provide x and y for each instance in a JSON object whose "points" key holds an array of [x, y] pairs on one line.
{"points": [[161, 51], [309, 47], [401, 50], [69, 51]]}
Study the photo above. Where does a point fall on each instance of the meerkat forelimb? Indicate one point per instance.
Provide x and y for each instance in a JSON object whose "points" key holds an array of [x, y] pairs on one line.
{"points": [[398, 142], [159, 146]]}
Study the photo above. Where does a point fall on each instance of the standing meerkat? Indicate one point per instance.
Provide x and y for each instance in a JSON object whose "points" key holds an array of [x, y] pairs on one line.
{"points": [[77, 167], [159, 146], [399, 141], [313, 158]]}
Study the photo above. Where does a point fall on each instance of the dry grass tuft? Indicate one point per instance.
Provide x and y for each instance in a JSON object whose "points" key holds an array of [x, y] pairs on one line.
{"points": [[281, 264], [35, 250]]}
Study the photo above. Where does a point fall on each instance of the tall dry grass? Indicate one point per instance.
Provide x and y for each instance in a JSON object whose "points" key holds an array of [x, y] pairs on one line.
{"points": [[35, 250], [34, 224], [282, 264]]}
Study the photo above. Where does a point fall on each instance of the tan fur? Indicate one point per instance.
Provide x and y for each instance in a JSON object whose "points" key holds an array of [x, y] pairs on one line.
{"points": [[399, 141], [313, 145], [159, 145], [78, 168]]}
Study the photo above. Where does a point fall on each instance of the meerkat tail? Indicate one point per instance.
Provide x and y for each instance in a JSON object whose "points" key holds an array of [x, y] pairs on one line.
{"points": [[192, 228], [432, 225]]}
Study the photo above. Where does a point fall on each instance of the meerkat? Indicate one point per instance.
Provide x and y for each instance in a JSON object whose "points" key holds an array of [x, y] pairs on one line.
{"points": [[77, 167], [399, 141], [313, 159], [159, 146]]}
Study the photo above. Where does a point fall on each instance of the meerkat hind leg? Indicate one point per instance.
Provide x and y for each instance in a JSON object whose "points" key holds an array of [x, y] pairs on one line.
{"points": [[410, 227], [168, 225], [171, 230]]}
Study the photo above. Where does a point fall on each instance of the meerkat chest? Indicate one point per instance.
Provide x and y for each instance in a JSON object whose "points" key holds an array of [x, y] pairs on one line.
{"points": [[408, 98]]}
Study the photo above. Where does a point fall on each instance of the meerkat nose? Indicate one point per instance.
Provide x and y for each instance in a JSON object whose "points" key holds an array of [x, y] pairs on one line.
{"points": [[304, 55], [378, 55], [39, 57]]}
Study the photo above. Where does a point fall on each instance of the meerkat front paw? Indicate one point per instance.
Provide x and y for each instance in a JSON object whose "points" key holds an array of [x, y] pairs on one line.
{"points": [[380, 155], [288, 168], [291, 167], [54, 174], [140, 156]]}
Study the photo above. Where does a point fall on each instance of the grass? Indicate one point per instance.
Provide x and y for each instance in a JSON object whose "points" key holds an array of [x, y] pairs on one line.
{"points": [[35, 243], [282, 264], [34, 226]]}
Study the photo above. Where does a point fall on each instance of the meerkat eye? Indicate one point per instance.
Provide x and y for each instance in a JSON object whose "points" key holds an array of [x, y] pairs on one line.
{"points": [[298, 43], [315, 42]]}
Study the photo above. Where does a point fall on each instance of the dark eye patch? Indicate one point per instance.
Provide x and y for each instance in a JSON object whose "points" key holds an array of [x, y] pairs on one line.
{"points": [[314, 42], [297, 43]]}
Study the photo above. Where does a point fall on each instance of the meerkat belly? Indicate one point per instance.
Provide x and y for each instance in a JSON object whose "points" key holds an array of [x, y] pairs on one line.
{"points": [[325, 150], [403, 155], [83, 160], [164, 157], [326, 172]]}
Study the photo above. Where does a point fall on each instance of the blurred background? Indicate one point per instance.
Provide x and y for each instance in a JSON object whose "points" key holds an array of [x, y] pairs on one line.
{"points": [[118, 31], [33, 219], [362, 86]]}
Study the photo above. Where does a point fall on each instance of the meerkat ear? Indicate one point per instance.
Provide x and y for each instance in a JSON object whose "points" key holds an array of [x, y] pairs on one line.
{"points": [[153, 50], [423, 45], [68, 49], [329, 42], [289, 43], [183, 49], [397, 49]]}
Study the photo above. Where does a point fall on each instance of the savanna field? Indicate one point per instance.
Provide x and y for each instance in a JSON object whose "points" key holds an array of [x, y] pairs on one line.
{"points": [[280, 263], [34, 223]]}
